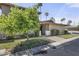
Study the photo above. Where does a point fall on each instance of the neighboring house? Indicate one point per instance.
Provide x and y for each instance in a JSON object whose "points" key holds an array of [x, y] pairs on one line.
{"points": [[47, 26]]}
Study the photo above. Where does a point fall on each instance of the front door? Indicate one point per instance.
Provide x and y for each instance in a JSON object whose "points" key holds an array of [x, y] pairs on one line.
{"points": [[42, 30]]}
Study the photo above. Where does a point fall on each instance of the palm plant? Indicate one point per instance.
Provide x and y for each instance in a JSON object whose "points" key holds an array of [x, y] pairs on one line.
{"points": [[46, 14], [63, 19], [52, 19], [69, 22], [39, 5]]}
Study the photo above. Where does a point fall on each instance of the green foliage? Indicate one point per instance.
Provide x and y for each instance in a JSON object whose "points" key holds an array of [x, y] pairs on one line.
{"points": [[69, 22], [52, 19], [66, 32], [54, 32], [30, 44], [19, 21], [63, 19]]}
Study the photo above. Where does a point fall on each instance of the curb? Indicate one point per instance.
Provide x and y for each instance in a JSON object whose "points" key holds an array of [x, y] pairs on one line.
{"points": [[62, 43]]}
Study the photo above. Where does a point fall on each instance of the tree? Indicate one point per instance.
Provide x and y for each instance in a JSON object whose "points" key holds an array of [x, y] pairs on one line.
{"points": [[19, 21], [39, 6], [69, 22], [46, 14], [52, 19], [63, 19]]}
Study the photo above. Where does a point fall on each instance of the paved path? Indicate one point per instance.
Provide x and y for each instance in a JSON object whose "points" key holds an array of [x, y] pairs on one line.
{"points": [[68, 50], [55, 38]]}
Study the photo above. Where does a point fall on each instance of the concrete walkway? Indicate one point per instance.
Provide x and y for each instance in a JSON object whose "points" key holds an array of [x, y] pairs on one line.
{"points": [[55, 38]]}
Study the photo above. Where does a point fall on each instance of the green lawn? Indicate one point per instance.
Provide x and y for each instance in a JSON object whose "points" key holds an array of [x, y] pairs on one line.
{"points": [[10, 44], [68, 36]]}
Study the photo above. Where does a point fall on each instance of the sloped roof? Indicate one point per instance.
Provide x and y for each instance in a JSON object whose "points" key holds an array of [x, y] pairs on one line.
{"points": [[51, 22]]}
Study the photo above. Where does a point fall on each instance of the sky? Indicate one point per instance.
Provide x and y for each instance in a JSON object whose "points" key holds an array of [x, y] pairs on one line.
{"points": [[70, 11]]}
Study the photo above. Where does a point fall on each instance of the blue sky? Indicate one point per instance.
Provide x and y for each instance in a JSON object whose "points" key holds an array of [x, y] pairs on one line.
{"points": [[58, 11]]}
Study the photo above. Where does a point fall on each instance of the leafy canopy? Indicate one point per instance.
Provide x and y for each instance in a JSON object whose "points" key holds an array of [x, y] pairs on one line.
{"points": [[19, 21]]}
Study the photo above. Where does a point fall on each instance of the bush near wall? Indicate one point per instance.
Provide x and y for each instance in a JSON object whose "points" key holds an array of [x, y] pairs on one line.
{"points": [[34, 34], [54, 32], [62, 32], [66, 32]]}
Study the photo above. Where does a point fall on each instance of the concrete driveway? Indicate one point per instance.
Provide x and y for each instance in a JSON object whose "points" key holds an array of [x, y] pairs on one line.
{"points": [[72, 49]]}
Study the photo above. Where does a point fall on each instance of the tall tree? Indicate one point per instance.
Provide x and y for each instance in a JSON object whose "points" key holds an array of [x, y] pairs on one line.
{"points": [[46, 14], [38, 6], [63, 19], [69, 22], [52, 19], [40, 12]]}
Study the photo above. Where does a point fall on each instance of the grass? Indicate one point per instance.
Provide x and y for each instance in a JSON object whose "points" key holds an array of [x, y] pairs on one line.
{"points": [[9, 44], [67, 36]]}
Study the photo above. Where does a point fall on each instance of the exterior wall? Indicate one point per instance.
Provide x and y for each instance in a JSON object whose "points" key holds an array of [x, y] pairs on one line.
{"points": [[5, 9], [47, 33], [48, 27], [39, 33], [54, 26]]}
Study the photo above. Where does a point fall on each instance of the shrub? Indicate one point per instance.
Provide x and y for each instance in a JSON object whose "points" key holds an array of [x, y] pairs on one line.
{"points": [[34, 34], [57, 32], [66, 32], [54, 32], [29, 44]]}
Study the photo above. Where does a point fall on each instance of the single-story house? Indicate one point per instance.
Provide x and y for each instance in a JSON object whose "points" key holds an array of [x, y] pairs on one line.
{"points": [[47, 26]]}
